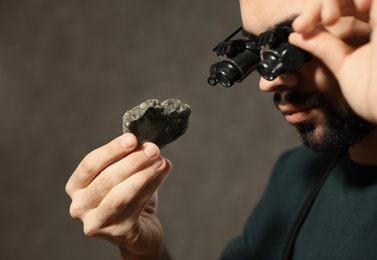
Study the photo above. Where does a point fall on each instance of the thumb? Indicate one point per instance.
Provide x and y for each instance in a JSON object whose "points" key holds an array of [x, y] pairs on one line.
{"points": [[322, 44]]}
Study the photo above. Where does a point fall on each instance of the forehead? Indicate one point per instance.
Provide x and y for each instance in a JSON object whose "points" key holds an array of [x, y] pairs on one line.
{"points": [[262, 15]]}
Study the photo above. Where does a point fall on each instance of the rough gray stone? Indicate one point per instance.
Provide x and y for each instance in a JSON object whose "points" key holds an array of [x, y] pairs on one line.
{"points": [[160, 123]]}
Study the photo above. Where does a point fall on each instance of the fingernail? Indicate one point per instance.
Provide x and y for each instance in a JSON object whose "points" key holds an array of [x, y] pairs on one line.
{"points": [[158, 163], [151, 151], [127, 142]]}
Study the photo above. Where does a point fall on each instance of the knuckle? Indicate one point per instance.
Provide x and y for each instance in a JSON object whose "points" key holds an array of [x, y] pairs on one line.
{"points": [[102, 184], [107, 210], [76, 210], [68, 188], [91, 230], [132, 188], [86, 166], [73, 212]]}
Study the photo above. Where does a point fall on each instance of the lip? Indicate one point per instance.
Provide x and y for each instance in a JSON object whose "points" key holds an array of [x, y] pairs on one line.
{"points": [[295, 114]]}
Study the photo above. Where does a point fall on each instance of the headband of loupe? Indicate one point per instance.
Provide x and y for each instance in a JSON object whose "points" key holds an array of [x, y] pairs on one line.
{"points": [[270, 54]]}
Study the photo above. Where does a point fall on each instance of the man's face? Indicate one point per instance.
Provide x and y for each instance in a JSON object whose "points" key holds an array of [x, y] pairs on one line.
{"points": [[310, 98]]}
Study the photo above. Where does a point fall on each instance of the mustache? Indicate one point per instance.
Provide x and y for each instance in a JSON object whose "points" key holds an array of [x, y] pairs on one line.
{"points": [[295, 97]]}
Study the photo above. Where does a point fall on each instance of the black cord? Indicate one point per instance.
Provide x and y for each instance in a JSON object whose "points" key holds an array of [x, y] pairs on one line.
{"points": [[234, 33], [288, 249]]}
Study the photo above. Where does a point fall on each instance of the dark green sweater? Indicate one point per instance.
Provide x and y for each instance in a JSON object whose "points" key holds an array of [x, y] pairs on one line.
{"points": [[342, 223]]}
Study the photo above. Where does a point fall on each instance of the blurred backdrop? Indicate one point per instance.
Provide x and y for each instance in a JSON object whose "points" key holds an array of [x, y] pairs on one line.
{"points": [[70, 69]]}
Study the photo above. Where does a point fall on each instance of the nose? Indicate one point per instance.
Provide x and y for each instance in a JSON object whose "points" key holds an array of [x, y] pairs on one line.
{"points": [[288, 80]]}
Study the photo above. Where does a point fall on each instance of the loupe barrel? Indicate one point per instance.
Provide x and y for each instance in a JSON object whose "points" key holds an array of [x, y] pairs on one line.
{"points": [[230, 71]]}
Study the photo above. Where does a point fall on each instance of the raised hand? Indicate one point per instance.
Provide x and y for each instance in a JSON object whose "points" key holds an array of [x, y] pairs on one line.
{"points": [[352, 56], [113, 192]]}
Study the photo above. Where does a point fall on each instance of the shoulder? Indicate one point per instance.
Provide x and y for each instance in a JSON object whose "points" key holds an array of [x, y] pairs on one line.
{"points": [[266, 231], [300, 161], [297, 171], [302, 157]]}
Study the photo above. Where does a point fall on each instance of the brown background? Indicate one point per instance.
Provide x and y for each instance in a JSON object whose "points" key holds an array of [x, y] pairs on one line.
{"points": [[70, 69]]}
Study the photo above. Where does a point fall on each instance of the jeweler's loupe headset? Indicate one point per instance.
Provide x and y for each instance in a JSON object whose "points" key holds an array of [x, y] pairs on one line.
{"points": [[270, 53]]}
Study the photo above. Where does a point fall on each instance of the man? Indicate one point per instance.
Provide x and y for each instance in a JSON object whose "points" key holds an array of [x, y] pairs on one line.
{"points": [[113, 190]]}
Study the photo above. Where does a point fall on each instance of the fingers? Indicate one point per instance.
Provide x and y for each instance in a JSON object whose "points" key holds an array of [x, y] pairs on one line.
{"points": [[309, 18], [126, 201], [144, 199], [99, 159], [90, 196], [322, 44], [316, 12], [121, 195], [115, 180], [363, 5], [148, 154], [373, 13], [330, 12], [326, 13]]}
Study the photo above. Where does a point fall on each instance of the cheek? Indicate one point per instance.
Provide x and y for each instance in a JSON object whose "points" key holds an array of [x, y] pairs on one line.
{"points": [[320, 79]]}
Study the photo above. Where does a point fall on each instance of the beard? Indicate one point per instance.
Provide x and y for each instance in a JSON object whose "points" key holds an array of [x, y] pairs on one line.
{"points": [[340, 129]]}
